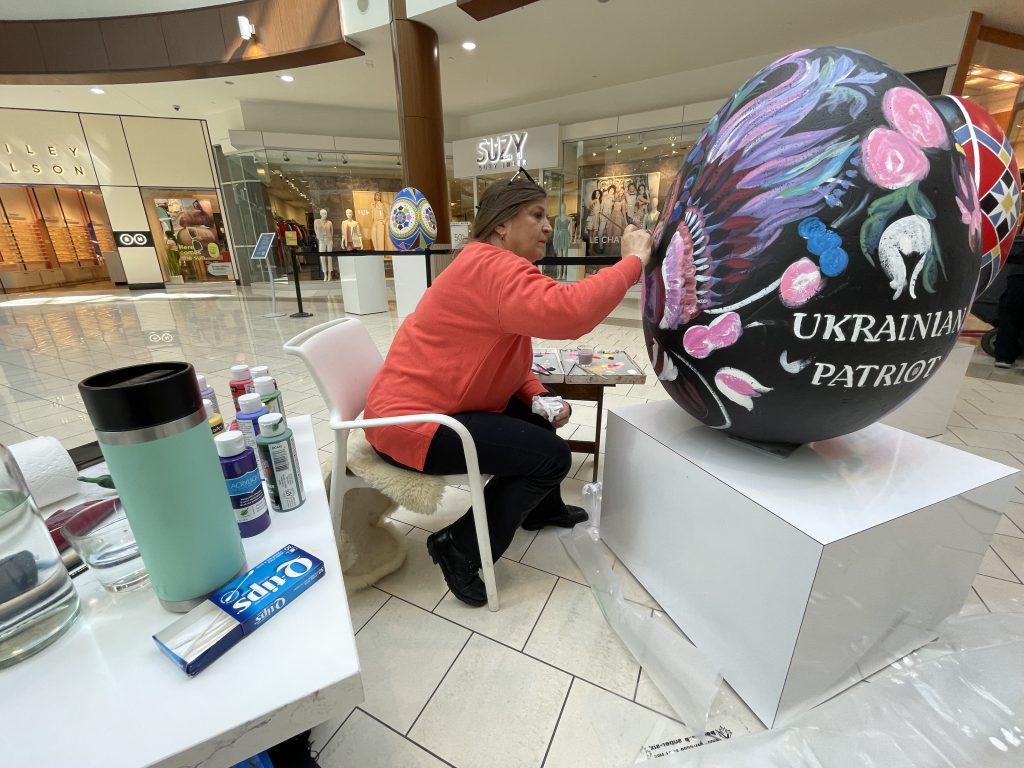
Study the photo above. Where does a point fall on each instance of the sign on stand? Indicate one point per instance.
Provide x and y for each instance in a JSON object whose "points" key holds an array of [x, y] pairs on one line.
{"points": [[261, 253]]}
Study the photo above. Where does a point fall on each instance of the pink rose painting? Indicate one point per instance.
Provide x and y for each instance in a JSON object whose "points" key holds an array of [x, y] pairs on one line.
{"points": [[891, 160]]}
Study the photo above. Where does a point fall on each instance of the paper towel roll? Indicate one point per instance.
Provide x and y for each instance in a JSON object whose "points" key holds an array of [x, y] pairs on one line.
{"points": [[48, 469]]}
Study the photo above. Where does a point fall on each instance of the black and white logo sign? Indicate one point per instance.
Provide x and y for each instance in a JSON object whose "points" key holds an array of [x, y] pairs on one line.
{"points": [[133, 239]]}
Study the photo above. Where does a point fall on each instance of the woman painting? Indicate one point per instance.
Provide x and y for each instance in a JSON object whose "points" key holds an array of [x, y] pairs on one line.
{"points": [[467, 351]]}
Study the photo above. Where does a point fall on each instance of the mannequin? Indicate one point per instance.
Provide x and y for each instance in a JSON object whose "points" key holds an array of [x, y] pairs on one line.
{"points": [[380, 215], [351, 237], [562, 235], [324, 231]]}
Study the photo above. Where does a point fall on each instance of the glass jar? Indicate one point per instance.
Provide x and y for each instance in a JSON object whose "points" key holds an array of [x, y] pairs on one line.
{"points": [[38, 602]]}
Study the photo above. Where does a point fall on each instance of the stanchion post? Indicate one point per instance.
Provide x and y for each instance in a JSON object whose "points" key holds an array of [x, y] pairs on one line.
{"points": [[298, 288]]}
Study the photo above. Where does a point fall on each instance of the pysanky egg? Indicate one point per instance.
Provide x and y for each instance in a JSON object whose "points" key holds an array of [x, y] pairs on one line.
{"points": [[411, 223], [817, 252], [996, 178]]}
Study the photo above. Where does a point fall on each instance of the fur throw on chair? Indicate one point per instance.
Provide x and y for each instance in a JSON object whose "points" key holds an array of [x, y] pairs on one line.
{"points": [[413, 490]]}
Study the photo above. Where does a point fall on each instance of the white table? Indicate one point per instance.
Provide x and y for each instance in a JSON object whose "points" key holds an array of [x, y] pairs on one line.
{"points": [[104, 695]]}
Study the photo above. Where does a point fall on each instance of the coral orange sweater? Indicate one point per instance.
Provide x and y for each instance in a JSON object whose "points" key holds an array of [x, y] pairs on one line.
{"points": [[468, 345]]}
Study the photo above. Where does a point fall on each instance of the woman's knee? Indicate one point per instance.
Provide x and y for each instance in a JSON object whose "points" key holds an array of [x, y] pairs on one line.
{"points": [[561, 457]]}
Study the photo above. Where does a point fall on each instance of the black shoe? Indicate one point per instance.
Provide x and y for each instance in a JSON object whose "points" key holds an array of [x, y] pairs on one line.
{"points": [[1004, 364], [572, 516], [460, 573]]}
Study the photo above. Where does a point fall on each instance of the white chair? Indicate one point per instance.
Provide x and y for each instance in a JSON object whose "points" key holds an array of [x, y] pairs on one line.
{"points": [[343, 360]]}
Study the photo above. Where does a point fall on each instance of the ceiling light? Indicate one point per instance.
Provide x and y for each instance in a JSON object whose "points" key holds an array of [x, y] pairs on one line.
{"points": [[261, 172], [673, 143], [593, 154], [618, 151], [645, 147], [1006, 77], [97, 91], [287, 78], [469, 45]]}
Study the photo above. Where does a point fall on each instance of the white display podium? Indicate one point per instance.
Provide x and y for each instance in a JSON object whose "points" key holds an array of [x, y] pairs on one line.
{"points": [[798, 576], [363, 288], [927, 412], [410, 273]]}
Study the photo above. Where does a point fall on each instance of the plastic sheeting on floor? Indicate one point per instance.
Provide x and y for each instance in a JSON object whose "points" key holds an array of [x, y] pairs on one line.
{"points": [[686, 677], [957, 702]]}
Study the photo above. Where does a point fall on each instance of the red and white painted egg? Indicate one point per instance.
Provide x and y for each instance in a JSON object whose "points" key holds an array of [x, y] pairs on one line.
{"points": [[996, 177]]}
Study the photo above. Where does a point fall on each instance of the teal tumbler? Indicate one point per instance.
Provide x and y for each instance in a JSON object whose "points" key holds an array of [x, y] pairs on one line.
{"points": [[153, 432]]}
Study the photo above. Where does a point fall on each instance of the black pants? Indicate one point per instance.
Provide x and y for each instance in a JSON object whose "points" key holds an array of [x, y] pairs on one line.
{"points": [[1011, 320], [528, 462]]}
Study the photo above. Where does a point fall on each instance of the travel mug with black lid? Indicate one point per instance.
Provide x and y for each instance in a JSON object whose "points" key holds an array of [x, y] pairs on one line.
{"points": [[153, 432]]}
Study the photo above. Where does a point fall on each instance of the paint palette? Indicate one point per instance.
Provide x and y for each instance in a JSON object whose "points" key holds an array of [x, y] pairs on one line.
{"points": [[817, 252]]}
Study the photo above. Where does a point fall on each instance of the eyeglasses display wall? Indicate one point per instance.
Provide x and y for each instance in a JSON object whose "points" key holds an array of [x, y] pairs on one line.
{"points": [[52, 235]]}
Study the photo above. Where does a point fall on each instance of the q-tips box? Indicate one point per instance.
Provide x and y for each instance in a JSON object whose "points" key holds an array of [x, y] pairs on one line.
{"points": [[238, 608]]}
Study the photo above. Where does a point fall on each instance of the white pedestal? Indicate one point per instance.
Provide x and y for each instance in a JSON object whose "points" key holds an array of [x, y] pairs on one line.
{"points": [[363, 288], [798, 576], [927, 412], [410, 273]]}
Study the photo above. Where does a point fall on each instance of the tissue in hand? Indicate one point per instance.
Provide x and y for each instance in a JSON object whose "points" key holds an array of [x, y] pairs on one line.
{"points": [[548, 407]]}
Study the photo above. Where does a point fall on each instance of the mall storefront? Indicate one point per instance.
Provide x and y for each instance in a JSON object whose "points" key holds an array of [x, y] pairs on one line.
{"points": [[91, 198]]}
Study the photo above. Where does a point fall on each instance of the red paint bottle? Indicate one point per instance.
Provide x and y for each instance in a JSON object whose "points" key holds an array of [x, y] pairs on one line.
{"points": [[241, 382]]}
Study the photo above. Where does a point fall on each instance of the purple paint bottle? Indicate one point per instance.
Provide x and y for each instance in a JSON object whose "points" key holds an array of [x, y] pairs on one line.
{"points": [[242, 476]]}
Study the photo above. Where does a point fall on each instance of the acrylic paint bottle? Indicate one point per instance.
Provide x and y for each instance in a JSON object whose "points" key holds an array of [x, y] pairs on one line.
{"points": [[270, 395], [280, 462], [251, 408], [242, 476], [207, 393], [215, 419], [261, 370], [241, 382]]}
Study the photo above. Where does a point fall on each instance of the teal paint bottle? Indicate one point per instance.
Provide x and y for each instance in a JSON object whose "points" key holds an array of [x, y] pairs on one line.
{"points": [[280, 461], [270, 395]]}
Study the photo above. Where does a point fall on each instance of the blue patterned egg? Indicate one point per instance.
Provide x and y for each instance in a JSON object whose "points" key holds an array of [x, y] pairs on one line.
{"points": [[411, 223], [817, 253]]}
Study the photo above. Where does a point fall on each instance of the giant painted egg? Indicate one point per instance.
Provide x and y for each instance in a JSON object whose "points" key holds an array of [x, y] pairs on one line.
{"points": [[996, 178], [411, 223], [817, 252]]}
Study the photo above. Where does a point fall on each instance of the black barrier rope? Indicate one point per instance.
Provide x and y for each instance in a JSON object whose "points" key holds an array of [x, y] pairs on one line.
{"points": [[552, 261]]}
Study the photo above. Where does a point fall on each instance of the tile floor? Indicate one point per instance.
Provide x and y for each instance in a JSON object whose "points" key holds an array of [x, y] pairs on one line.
{"points": [[543, 682]]}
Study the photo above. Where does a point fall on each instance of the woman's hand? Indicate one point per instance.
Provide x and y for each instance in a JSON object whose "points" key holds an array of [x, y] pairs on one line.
{"points": [[563, 415], [636, 242]]}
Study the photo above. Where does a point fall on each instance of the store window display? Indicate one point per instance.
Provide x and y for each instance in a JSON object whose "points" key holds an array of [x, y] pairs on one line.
{"points": [[191, 230], [52, 236], [370, 210]]}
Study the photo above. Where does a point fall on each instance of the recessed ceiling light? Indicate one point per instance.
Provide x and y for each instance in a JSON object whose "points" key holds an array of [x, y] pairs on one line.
{"points": [[469, 45], [645, 147], [229, 82], [97, 91], [618, 151], [1006, 77], [287, 78]]}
